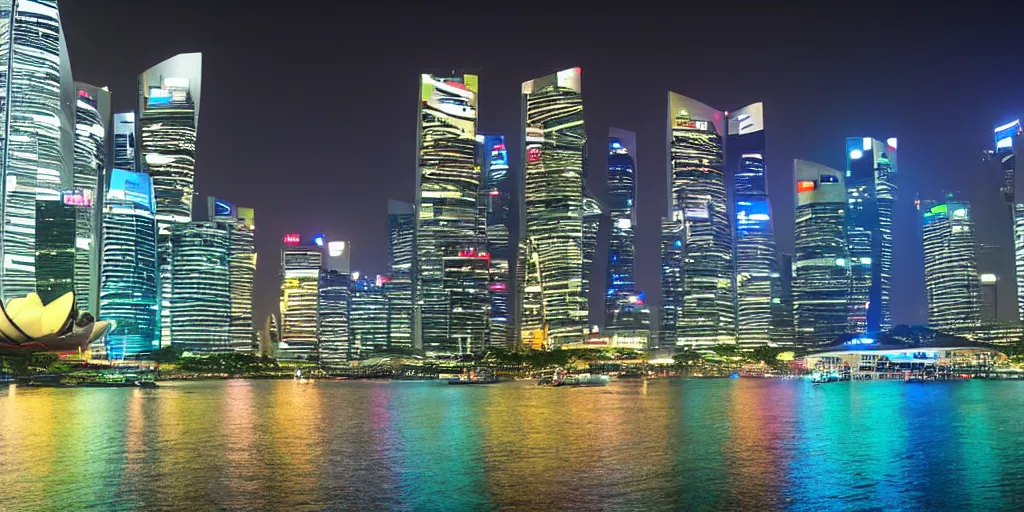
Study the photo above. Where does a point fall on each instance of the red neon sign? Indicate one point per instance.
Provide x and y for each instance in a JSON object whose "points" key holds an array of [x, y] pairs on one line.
{"points": [[498, 287], [532, 154], [495, 193], [804, 186], [292, 239]]}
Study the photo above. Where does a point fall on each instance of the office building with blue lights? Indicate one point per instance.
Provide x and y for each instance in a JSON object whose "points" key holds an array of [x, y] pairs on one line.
{"points": [[952, 284], [401, 262], [92, 140], [621, 278], [495, 211]]}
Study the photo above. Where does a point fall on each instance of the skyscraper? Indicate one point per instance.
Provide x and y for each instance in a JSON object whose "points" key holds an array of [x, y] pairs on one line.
{"points": [[951, 279], [783, 331], [1008, 136], [622, 209], [128, 276], [447, 184], [592, 213], [757, 270], [871, 193], [240, 225], [671, 278], [200, 305], [398, 287], [821, 260], [553, 206], [368, 317], [37, 119], [55, 249], [697, 188], [92, 122], [300, 298], [124, 148], [169, 95], [334, 303], [495, 199], [467, 281]]}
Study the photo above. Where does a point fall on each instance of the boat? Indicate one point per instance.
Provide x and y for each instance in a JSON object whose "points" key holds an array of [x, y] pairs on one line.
{"points": [[473, 377], [822, 378], [583, 380]]}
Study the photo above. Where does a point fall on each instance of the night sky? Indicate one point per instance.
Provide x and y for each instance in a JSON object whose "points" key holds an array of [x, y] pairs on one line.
{"points": [[308, 112]]}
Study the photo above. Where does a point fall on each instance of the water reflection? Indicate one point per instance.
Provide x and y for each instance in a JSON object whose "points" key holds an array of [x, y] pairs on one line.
{"points": [[664, 445]]}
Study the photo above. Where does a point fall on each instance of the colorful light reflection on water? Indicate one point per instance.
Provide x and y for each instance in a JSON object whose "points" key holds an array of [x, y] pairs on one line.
{"points": [[669, 445]]}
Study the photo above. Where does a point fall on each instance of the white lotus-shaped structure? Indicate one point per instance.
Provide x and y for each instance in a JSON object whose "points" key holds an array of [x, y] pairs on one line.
{"points": [[26, 324]]}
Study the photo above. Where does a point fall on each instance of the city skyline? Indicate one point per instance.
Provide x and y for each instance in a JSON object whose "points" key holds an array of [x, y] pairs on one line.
{"points": [[797, 132]]}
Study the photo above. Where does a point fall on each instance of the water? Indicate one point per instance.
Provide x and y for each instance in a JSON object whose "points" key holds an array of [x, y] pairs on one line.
{"points": [[745, 444]]}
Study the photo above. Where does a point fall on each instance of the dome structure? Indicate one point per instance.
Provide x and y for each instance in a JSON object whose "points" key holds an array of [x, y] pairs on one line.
{"points": [[27, 324]]}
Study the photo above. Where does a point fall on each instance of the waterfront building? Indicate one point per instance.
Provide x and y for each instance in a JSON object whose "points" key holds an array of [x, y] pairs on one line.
{"points": [[128, 273], [240, 225], [783, 331], [92, 122], [200, 305], [333, 332], [592, 213], [671, 279], [55, 249], [871, 193], [467, 281], [398, 288], [169, 100], [821, 260], [696, 167], [622, 238], [495, 200], [553, 209], [368, 317], [532, 328], [300, 298], [37, 109], [951, 280], [447, 187], [757, 274], [1007, 137]]}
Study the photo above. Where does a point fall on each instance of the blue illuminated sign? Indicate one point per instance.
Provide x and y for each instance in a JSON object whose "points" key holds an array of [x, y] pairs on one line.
{"points": [[1005, 134], [134, 187], [319, 240], [222, 208], [752, 214]]}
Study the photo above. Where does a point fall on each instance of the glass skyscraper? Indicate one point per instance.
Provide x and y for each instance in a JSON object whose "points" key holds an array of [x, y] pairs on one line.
{"points": [[398, 286], [951, 278], [553, 207], [447, 185], [240, 225], [696, 164], [1007, 137], [333, 332], [467, 281], [671, 278], [37, 120], [200, 306], [92, 121], [871, 193], [368, 317], [300, 299], [128, 276], [125, 156], [821, 260], [169, 99], [55, 249], [757, 270], [622, 208], [495, 199]]}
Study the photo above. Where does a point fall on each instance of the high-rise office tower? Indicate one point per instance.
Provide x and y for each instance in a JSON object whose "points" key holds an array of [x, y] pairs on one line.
{"points": [[989, 256], [783, 332], [447, 185], [871, 193], [553, 209], [821, 260], [592, 213], [622, 209], [300, 298], [168, 119], [398, 286], [37, 117], [55, 249], [951, 281], [1007, 138], [334, 338], [368, 316], [530, 320], [128, 273], [92, 143], [495, 199], [671, 278], [696, 169], [467, 281], [757, 271], [200, 306], [240, 225], [124, 148]]}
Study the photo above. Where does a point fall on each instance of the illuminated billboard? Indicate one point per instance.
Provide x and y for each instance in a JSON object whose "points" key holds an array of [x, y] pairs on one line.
{"points": [[752, 213], [222, 208], [804, 186], [292, 239], [133, 187], [248, 216], [1005, 134], [77, 198]]}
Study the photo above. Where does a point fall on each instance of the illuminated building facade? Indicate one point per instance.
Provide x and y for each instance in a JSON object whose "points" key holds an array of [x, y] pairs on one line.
{"points": [[55, 249], [671, 279], [368, 317], [124, 128], [200, 304], [592, 213], [467, 280], [1007, 137], [553, 208], [37, 120], [757, 271], [622, 209], [870, 194], [783, 331], [300, 299], [821, 260], [169, 99], [333, 332], [696, 133], [530, 299], [447, 188], [240, 224], [951, 281], [128, 273], [398, 287], [92, 121], [495, 200]]}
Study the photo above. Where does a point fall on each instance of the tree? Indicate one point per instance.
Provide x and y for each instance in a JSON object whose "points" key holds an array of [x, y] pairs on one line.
{"points": [[726, 351], [765, 354], [167, 354], [686, 357]]}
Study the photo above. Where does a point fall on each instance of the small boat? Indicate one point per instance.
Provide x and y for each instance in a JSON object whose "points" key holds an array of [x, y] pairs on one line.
{"points": [[822, 378], [473, 377], [583, 380]]}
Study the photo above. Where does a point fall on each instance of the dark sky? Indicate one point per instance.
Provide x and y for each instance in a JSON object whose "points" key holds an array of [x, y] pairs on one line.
{"points": [[308, 112]]}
